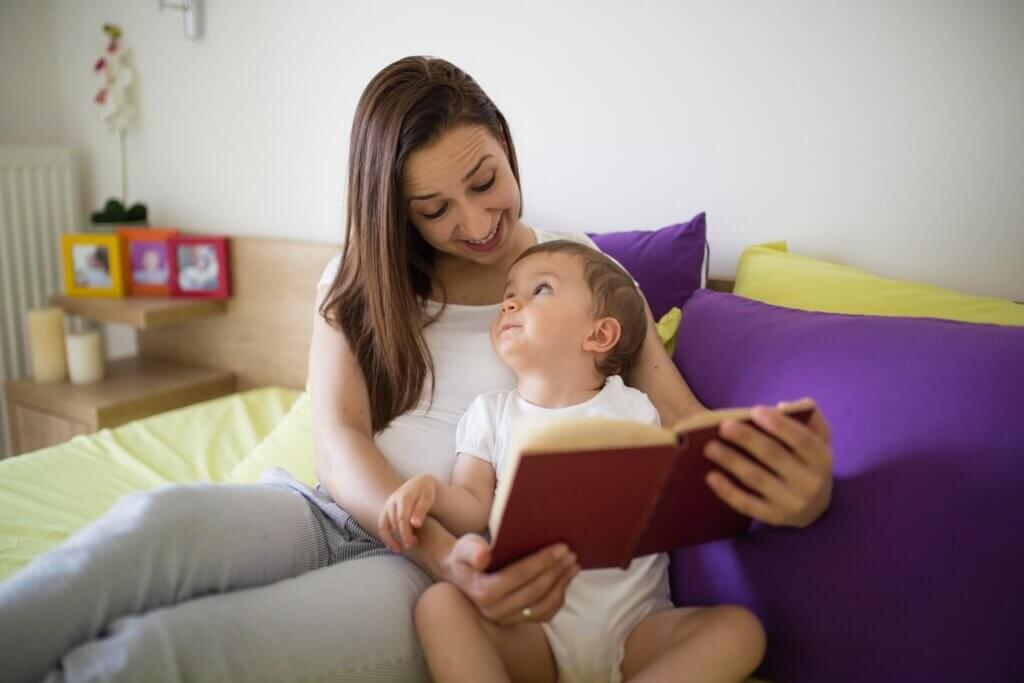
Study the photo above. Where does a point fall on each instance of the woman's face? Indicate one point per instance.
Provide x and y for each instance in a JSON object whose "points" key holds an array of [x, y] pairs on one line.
{"points": [[461, 195]]}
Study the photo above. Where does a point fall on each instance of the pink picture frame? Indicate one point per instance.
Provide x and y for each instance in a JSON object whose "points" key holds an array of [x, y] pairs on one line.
{"points": [[199, 266]]}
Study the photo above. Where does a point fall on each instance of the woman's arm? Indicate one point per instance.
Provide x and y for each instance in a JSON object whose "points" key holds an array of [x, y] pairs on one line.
{"points": [[348, 463], [657, 376], [356, 475], [791, 484]]}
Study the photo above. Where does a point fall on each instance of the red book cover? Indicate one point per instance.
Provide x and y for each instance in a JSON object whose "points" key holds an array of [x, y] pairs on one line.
{"points": [[614, 503]]}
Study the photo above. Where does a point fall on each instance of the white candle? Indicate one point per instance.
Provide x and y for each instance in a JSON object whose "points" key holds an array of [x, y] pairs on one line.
{"points": [[85, 357], [46, 344]]}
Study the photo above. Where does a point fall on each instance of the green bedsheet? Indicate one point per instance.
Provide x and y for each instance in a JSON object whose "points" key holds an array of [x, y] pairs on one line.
{"points": [[47, 495]]}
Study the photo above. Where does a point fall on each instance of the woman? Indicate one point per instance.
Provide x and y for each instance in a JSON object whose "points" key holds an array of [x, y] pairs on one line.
{"points": [[433, 222]]}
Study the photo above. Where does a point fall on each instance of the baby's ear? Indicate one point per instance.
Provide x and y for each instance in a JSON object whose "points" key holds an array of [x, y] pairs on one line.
{"points": [[603, 336]]}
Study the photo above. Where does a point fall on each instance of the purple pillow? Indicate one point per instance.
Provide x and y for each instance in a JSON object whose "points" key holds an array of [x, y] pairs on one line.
{"points": [[666, 263], [914, 571]]}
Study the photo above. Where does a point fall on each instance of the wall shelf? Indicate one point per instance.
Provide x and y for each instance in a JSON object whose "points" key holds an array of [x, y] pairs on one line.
{"points": [[140, 313]]}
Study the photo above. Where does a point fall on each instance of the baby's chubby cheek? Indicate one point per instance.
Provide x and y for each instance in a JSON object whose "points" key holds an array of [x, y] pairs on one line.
{"points": [[495, 326], [497, 343]]}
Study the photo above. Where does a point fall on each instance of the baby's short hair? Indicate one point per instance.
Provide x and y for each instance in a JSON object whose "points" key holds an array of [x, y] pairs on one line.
{"points": [[615, 296]]}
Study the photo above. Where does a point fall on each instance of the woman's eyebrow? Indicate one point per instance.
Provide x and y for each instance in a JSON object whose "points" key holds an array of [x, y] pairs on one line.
{"points": [[464, 178], [470, 174]]}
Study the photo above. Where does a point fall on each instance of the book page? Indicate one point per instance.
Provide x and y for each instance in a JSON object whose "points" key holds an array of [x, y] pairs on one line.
{"points": [[713, 417], [710, 417]]}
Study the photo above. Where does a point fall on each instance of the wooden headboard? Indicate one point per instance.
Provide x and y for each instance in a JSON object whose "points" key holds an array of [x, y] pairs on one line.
{"points": [[264, 335], [721, 284]]}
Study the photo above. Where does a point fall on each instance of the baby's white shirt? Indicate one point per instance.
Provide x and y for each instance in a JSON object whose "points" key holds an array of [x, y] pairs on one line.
{"points": [[485, 428], [602, 606]]}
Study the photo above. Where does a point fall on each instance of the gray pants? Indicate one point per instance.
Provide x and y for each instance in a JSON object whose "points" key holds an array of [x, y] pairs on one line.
{"points": [[210, 582]]}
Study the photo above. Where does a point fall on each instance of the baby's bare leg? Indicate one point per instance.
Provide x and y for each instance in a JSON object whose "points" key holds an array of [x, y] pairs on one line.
{"points": [[462, 645], [723, 643]]}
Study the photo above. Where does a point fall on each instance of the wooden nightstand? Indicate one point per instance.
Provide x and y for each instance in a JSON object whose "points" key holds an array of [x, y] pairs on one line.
{"points": [[46, 414], [43, 415]]}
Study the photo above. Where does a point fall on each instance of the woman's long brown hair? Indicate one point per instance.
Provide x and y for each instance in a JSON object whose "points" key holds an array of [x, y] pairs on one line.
{"points": [[386, 266]]}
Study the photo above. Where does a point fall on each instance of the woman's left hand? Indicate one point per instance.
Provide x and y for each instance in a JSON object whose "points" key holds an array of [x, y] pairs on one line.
{"points": [[793, 482]]}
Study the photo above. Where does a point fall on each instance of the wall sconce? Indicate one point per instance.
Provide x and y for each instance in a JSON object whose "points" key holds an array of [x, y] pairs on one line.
{"points": [[191, 10]]}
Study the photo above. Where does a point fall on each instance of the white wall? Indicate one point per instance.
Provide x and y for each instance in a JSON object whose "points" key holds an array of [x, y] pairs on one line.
{"points": [[883, 134], [30, 111]]}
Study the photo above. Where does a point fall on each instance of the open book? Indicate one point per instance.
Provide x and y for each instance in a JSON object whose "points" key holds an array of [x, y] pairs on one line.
{"points": [[611, 490]]}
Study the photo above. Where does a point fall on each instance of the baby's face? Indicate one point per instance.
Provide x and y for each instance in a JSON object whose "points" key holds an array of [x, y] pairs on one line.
{"points": [[150, 260], [547, 310]]}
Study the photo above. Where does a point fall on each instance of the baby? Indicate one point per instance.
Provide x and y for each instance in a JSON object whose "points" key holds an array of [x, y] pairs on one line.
{"points": [[572, 321]]}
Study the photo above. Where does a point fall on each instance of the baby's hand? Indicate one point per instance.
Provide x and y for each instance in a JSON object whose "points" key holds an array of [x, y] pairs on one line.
{"points": [[406, 508]]}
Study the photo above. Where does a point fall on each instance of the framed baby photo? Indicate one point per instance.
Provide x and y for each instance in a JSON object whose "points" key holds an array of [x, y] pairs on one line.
{"points": [[92, 264], [147, 260], [199, 266]]}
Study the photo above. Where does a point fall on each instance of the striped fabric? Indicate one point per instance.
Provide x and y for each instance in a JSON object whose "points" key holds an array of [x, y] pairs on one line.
{"points": [[346, 540]]}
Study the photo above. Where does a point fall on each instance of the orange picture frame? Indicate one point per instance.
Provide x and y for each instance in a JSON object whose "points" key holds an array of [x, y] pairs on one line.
{"points": [[146, 260]]}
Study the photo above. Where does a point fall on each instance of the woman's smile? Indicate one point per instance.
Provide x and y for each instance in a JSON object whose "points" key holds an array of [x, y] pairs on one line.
{"points": [[489, 242]]}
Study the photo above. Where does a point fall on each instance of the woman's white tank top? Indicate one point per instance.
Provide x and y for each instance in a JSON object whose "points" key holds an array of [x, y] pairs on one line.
{"points": [[422, 440]]}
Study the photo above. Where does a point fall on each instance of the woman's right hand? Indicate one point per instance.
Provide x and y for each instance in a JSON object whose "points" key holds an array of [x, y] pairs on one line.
{"points": [[537, 582]]}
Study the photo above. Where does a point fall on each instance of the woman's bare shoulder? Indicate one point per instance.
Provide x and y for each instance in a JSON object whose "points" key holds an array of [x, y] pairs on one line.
{"points": [[330, 271]]}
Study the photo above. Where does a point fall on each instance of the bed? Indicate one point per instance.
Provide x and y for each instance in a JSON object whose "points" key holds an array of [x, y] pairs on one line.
{"points": [[47, 495], [911, 573], [263, 338]]}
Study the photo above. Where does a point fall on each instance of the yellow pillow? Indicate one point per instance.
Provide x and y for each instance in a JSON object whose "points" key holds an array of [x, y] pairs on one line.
{"points": [[290, 444], [667, 328], [768, 273]]}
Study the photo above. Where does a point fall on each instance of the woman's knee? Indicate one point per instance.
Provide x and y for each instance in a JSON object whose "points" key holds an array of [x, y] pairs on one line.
{"points": [[168, 507]]}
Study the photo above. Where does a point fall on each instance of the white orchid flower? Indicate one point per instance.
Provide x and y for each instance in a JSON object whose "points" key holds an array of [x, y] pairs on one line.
{"points": [[115, 77]]}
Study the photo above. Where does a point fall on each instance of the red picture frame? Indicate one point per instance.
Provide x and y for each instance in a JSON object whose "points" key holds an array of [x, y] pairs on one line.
{"points": [[199, 266]]}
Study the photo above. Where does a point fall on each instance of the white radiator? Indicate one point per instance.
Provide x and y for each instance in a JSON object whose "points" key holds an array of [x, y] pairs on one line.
{"points": [[39, 201]]}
